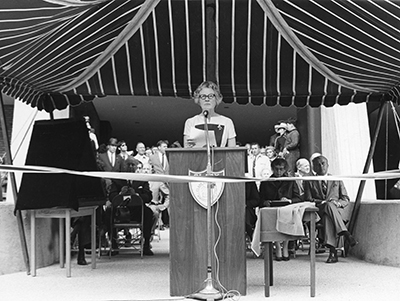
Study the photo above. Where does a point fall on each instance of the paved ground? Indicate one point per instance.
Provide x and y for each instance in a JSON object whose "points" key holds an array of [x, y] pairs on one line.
{"points": [[127, 277]]}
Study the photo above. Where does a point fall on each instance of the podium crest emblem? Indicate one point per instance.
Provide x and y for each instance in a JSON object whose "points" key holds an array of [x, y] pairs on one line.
{"points": [[198, 190]]}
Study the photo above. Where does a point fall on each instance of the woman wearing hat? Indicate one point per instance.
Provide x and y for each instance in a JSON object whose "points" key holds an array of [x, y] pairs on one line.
{"points": [[281, 139], [221, 129]]}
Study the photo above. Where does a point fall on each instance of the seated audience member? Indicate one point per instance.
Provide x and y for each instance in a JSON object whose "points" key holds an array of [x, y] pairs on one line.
{"points": [[252, 202], [331, 198], [119, 186], [312, 157], [284, 191], [302, 170]]}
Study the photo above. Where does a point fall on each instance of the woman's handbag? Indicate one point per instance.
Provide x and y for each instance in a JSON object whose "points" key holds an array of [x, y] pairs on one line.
{"points": [[122, 212]]}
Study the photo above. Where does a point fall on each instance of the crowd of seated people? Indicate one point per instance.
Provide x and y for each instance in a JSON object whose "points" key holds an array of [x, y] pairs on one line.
{"points": [[281, 158], [284, 157]]}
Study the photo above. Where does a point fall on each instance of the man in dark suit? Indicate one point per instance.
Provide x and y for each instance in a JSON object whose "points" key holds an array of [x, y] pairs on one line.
{"points": [[331, 198], [124, 155], [109, 161], [142, 188]]}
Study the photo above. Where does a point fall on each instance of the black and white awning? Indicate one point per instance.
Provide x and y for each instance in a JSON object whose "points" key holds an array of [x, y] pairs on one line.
{"points": [[56, 53]]}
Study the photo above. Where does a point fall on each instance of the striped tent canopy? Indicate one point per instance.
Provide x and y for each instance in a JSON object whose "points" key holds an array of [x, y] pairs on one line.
{"points": [[56, 53]]}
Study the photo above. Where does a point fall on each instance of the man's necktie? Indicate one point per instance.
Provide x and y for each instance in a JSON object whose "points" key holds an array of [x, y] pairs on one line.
{"points": [[324, 187], [163, 161], [254, 167]]}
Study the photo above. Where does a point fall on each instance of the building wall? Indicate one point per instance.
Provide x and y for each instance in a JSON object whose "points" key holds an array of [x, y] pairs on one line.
{"points": [[11, 254], [377, 232]]}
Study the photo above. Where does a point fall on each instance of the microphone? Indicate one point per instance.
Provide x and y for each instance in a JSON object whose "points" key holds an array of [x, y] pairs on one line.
{"points": [[205, 113]]}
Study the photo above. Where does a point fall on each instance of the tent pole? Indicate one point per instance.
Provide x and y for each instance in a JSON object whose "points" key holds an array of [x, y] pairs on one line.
{"points": [[367, 165], [211, 71], [18, 214]]}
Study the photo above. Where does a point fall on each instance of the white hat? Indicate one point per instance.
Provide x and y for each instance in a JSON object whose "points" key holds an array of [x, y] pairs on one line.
{"points": [[282, 125]]}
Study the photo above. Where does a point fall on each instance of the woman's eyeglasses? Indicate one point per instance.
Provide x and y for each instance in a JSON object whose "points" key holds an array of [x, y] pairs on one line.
{"points": [[205, 96]]}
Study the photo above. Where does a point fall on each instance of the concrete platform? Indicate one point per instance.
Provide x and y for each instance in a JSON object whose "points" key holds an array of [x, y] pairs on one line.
{"points": [[127, 277]]}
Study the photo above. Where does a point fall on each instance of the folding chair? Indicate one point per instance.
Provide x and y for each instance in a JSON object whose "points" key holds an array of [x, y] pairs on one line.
{"points": [[135, 220]]}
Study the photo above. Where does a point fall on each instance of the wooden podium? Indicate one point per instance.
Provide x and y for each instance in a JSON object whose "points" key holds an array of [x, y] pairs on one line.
{"points": [[188, 223]]}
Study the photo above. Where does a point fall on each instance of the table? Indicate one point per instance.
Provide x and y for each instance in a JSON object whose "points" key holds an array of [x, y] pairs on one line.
{"points": [[266, 233], [64, 215]]}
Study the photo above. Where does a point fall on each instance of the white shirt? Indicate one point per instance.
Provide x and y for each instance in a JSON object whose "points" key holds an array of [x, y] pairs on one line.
{"points": [[111, 156], [142, 158], [221, 128]]}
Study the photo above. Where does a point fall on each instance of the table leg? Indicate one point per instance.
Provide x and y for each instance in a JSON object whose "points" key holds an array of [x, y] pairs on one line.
{"points": [[33, 243], [94, 239], [312, 254], [68, 241], [61, 242], [267, 267], [271, 264]]}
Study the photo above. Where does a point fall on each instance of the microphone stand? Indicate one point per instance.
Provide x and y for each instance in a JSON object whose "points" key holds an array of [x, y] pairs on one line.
{"points": [[209, 292]]}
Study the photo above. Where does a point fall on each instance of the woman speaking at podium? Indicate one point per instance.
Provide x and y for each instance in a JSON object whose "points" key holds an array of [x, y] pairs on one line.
{"points": [[221, 130]]}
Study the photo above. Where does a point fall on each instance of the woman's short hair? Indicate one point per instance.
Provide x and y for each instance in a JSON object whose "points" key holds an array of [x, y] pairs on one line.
{"points": [[210, 85], [269, 147], [301, 161]]}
